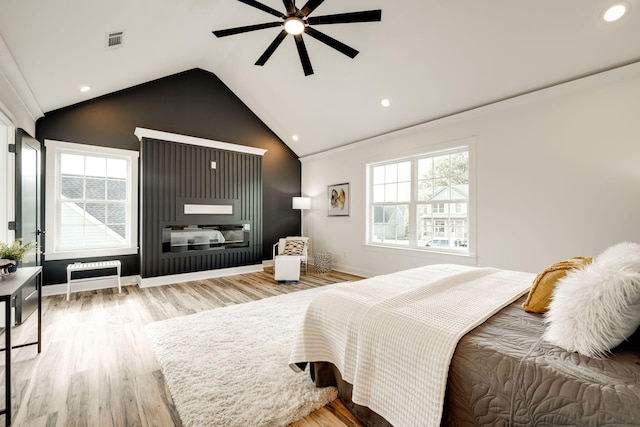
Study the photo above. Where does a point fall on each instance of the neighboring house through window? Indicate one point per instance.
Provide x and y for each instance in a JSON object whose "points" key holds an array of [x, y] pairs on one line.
{"points": [[421, 201], [91, 201]]}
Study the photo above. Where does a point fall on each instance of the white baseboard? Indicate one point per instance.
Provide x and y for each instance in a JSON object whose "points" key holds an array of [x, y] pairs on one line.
{"points": [[355, 271], [89, 284], [198, 275], [92, 284], [109, 282]]}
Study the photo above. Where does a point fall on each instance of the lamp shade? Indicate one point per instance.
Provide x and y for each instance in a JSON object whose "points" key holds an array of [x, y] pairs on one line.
{"points": [[301, 203]]}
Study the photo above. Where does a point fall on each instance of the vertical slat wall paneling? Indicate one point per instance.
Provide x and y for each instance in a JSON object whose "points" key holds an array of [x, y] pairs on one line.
{"points": [[175, 172]]}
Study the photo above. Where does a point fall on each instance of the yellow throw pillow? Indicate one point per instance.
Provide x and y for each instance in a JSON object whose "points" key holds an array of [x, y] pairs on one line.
{"points": [[545, 282]]}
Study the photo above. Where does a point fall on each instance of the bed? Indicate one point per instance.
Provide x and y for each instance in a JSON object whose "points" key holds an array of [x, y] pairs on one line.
{"points": [[500, 371]]}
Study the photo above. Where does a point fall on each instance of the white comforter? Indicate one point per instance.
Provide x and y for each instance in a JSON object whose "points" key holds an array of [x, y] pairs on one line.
{"points": [[393, 336]]}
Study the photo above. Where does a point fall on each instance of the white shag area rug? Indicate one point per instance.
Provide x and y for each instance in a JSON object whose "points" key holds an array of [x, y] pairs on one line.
{"points": [[229, 366]]}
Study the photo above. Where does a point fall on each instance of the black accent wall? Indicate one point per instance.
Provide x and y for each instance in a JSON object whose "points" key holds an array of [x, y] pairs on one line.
{"points": [[175, 174], [194, 103]]}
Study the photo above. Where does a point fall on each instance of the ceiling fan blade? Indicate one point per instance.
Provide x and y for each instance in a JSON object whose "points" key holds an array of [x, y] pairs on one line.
{"points": [[264, 8], [304, 56], [272, 48], [310, 7], [290, 7], [345, 18], [238, 30], [330, 41]]}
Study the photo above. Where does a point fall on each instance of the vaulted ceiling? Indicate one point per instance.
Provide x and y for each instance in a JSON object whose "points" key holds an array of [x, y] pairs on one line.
{"points": [[429, 58]]}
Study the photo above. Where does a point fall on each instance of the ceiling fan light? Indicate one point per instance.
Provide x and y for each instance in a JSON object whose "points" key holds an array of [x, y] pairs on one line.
{"points": [[294, 25]]}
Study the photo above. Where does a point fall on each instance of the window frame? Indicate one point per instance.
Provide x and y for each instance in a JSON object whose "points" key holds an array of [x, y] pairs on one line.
{"points": [[53, 150], [466, 144]]}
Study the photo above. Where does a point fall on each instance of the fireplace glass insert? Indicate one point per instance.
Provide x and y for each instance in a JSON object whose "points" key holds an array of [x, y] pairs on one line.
{"points": [[183, 238]]}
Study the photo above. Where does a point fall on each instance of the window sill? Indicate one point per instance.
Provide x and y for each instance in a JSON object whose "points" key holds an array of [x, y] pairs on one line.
{"points": [[433, 255], [55, 256]]}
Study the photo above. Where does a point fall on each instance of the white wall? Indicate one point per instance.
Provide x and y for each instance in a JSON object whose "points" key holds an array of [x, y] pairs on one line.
{"points": [[16, 100], [557, 174], [18, 109], [7, 184]]}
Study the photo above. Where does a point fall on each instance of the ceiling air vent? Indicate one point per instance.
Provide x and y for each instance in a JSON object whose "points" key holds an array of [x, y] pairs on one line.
{"points": [[115, 40]]}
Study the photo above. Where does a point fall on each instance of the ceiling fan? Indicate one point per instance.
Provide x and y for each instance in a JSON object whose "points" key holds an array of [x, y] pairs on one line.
{"points": [[297, 21]]}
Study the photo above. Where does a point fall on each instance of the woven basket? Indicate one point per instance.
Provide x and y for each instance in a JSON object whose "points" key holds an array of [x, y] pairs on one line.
{"points": [[322, 262]]}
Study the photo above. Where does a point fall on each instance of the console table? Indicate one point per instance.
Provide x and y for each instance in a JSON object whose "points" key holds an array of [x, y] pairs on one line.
{"points": [[10, 286]]}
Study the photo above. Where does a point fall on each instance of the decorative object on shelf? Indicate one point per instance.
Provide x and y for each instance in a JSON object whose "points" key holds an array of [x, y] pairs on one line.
{"points": [[338, 199], [14, 252], [7, 267], [322, 262]]}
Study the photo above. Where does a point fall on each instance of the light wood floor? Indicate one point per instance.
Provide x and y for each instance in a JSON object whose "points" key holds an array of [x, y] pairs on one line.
{"points": [[97, 368]]}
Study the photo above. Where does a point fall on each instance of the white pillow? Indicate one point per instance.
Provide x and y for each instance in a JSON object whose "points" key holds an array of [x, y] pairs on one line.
{"points": [[597, 307]]}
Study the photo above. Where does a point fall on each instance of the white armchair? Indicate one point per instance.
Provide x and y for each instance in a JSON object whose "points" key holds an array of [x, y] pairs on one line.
{"points": [[289, 253]]}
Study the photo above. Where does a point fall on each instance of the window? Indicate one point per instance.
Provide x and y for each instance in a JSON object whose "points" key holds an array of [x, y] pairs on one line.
{"points": [[91, 201], [421, 201]]}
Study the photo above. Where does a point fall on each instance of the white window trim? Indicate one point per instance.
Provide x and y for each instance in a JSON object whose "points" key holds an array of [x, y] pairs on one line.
{"points": [[470, 144], [53, 149]]}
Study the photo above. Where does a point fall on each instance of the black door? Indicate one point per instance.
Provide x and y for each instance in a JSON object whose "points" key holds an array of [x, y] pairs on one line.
{"points": [[28, 213]]}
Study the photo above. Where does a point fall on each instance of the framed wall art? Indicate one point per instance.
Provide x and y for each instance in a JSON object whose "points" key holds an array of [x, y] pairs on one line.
{"points": [[338, 195]]}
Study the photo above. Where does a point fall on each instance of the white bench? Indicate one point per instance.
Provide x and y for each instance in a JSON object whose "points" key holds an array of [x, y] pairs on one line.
{"points": [[85, 266]]}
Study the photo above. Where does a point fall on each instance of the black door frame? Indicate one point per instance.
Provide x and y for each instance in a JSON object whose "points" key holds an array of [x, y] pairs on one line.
{"points": [[23, 300], [20, 134]]}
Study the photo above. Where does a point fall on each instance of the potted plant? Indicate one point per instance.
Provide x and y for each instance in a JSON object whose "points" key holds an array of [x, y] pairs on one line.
{"points": [[15, 252]]}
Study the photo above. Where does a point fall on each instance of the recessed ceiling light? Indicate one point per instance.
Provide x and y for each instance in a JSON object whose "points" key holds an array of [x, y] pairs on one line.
{"points": [[616, 11], [295, 137], [85, 89], [385, 102]]}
